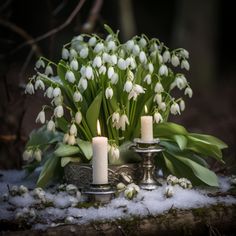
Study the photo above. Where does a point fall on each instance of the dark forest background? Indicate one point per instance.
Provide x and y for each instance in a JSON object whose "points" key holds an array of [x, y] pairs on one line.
{"points": [[204, 27]]}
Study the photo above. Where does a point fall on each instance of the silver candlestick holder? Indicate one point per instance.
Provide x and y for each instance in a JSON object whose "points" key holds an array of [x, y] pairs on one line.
{"points": [[147, 151], [101, 193]]}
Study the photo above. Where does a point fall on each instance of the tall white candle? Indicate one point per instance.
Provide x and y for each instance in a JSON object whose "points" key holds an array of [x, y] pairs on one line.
{"points": [[100, 159], [146, 128]]}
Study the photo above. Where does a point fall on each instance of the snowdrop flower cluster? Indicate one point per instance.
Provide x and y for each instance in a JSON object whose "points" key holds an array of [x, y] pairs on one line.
{"points": [[105, 80], [182, 182], [130, 191]]}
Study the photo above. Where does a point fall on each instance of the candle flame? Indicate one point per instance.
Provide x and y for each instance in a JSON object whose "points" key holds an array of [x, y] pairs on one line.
{"points": [[145, 109], [98, 128]]}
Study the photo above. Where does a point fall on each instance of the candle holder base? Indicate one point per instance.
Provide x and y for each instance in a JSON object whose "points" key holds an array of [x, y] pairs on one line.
{"points": [[147, 150], [102, 193]]}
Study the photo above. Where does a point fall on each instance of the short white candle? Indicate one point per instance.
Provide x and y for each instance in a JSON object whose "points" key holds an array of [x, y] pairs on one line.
{"points": [[100, 159], [146, 128]]}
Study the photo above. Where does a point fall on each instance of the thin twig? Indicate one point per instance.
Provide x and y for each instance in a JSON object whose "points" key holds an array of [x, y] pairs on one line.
{"points": [[53, 31], [23, 34], [26, 63], [92, 18]]}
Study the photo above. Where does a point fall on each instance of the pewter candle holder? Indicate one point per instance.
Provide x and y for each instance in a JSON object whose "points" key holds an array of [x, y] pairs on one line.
{"points": [[101, 193], [147, 151]]}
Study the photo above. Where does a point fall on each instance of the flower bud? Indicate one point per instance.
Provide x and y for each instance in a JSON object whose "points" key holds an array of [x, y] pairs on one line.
{"points": [[38, 155], [174, 60], [65, 138], [111, 46], [122, 64], [150, 68], [56, 92], [48, 70], [113, 59], [182, 105], [74, 65], [39, 84], [73, 53], [128, 86], [129, 44], [130, 75], [51, 125], [97, 61], [73, 130], [142, 57], [136, 50], [166, 56], [99, 47], [49, 92], [109, 93], [83, 83], [71, 140], [185, 65], [58, 111], [160, 59], [163, 70], [162, 106], [159, 88], [65, 53], [41, 117], [70, 76], [142, 42], [157, 117], [27, 154], [84, 52], [110, 72], [78, 117], [89, 72], [29, 88], [92, 41], [77, 97], [188, 91], [40, 63]]}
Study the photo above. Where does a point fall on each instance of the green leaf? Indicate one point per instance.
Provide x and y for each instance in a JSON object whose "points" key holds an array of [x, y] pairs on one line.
{"points": [[48, 171], [66, 150], [86, 148], [168, 129], [66, 160], [181, 140], [108, 29], [62, 124], [210, 139], [93, 114], [202, 173]]}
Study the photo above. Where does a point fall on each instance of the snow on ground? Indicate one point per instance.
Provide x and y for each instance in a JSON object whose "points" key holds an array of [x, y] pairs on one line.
{"points": [[61, 205]]}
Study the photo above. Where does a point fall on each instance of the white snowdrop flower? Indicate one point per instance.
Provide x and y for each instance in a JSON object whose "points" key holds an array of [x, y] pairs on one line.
{"points": [[169, 191], [89, 72], [97, 61], [66, 137], [122, 53], [71, 140], [48, 70], [127, 61], [110, 72], [184, 53], [51, 125], [130, 75], [82, 70], [128, 86], [109, 37], [65, 53], [157, 117], [138, 89], [185, 65], [77, 97], [114, 78], [147, 79], [78, 117], [129, 44], [83, 83], [39, 63], [111, 46], [128, 193], [180, 82], [113, 59], [102, 70], [73, 53], [84, 52], [150, 68], [38, 155], [115, 117], [174, 109], [23, 189], [142, 42], [74, 65], [133, 64], [109, 93], [71, 189], [73, 130], [41, 117], [56, 92], [133, 95], [166, 56], [123, 121], [57, 100], [115, 152], [79, 38], [175, 60], [172, 180], [39, 84], [70, 76], [120, 186], [163, 70], [27, 154], [173, 85], [59, 111], [160, 59], [158, 98], [92, 41], [136, 50], [154, 56], [29, 88], [142, 57], [162, 106], [182, 105], [14, 190], [158, 88], [122, 64], [188, 91], [99, 47], [105, 57], [134, 186]]}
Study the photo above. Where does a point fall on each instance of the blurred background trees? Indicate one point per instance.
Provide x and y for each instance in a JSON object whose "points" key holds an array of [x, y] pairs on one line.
{"points": [[29, 29]]}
